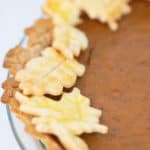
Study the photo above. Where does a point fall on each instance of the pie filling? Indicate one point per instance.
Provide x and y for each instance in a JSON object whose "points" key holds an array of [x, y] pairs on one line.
{"points": [[117, 80]]}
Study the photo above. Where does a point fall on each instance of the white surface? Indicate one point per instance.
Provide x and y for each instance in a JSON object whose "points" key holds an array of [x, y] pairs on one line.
{"points": [[15, 15]]}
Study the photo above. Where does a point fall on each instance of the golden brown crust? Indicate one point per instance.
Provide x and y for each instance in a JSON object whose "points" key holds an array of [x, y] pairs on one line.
{"points": [[45, 138], [39, 37], [17, 57], [11, 86], [40, 33]]}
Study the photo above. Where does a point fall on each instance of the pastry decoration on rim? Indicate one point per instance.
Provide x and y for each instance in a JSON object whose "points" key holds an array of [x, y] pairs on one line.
{"points": [[49, 73], [69, 11], [69, 40], [67, 118], [63, 12]]}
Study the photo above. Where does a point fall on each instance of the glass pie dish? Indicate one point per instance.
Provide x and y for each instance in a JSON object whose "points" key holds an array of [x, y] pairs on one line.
{"points": [[24, 141]]}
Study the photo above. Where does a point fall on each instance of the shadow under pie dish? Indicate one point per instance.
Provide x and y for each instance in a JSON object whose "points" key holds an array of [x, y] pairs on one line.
{"points": [[117, 79]]}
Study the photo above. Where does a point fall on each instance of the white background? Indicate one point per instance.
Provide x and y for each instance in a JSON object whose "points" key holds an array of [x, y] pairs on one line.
{"points": [[15, 15]]}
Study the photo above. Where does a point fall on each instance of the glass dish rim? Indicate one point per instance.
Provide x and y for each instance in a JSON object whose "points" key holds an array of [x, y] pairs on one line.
{"points": [[10, 119]]}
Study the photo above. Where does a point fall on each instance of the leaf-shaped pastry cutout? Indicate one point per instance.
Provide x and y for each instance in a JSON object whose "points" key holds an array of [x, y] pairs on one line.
{"points": [[67, 118], [10, 87], [69, 40], [49, 73], [17, 57], [40, 33], [107, 11], [66, 12]]}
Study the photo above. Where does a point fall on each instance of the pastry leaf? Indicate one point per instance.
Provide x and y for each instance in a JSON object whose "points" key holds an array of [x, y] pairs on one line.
{"points": [[49, 73]]}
